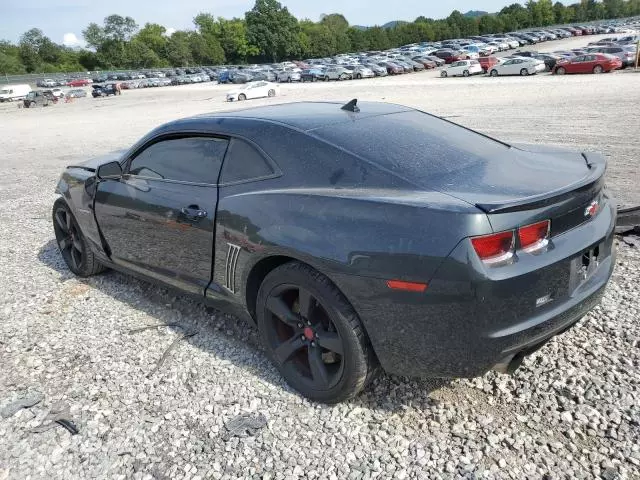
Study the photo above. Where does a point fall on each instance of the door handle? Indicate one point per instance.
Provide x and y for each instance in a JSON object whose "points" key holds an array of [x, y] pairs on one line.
{"points": [[193, 212]]}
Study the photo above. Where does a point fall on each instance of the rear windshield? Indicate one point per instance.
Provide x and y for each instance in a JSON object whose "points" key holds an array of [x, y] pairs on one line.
{"points": [[414, 145]]}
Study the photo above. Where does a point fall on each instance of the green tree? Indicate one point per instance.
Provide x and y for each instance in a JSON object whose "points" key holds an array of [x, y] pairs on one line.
{"points": [[509, 22], [358, 39], [205, 49], [232, 35], [632, 8], [377, 38], [31, 42], [140, 55], [547, 15], [154, 37], [119, 28], [179, 49], [273, 30], [10, 63], [613, 8], [338, 26], [319, 40], [519, 13], [94, 35], [89, 60], [490, 24]]}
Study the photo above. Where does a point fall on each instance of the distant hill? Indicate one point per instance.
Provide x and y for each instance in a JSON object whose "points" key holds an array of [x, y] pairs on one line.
{"points": [[475, 13], [392, 24]]}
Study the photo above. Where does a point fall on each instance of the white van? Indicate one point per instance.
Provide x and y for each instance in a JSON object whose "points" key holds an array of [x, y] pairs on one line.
{"points": [[9, 93]]}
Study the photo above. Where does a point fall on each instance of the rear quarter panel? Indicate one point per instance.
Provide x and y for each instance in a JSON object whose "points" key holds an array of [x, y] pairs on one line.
{"points": [[341, 233]]}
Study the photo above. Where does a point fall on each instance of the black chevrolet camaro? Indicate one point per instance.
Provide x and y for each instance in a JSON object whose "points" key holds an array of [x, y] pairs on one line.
{"points": [[353, 237]]}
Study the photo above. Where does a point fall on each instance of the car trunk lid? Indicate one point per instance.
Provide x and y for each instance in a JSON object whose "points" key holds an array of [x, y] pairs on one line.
{"points": [[435, 154]]}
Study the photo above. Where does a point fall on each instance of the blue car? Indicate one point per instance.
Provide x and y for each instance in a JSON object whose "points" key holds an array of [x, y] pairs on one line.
{"points": [[223, 77], [312, 74]]}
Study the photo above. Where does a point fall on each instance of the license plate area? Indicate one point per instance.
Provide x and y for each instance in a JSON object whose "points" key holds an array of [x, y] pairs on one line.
{"points": [[584, 266]]}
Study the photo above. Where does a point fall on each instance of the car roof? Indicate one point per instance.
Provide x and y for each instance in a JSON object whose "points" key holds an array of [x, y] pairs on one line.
{"points": [[308, 116]]}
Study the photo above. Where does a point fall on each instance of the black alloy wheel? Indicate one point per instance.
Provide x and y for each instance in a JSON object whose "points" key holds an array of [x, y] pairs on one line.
{"points": [[68, 238], [71, 242], [312, 334], [303, 337]]}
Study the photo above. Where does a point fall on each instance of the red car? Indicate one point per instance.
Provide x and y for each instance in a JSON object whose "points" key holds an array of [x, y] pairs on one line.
{"points": [[78, 82], [449, 56], [590, 63], [428, 64], [487, 62]]}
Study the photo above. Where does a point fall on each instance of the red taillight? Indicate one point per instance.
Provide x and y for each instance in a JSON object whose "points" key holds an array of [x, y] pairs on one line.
{"points": [[406, 286], [496, 248], [534, 237]]}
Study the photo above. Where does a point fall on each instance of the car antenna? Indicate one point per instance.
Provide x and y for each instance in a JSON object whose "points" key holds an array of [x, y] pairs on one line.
{"points": [[351, 106]]}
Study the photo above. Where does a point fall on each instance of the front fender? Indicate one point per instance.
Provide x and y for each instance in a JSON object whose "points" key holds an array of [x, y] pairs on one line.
{"points": [[76, 186]]}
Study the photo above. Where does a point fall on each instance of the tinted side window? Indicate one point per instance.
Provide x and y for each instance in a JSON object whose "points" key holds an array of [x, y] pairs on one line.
{"points": [[243, 162], [192, 159]]}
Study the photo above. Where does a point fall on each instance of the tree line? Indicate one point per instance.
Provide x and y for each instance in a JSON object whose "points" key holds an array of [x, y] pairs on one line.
{"points": [[270, 33]]}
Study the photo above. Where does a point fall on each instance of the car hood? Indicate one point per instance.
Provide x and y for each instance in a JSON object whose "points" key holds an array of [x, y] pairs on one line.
{"points": [[94, 163]]}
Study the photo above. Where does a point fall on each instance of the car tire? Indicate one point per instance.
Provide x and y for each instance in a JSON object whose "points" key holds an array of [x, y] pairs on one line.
{"points": [[72, 244], [524, 72], [289, 80], [598, 69], [323, 352], [242, 97], [444, 74], [271, 93], [560, 71], [359, 77], [32, 104], [494, 73], [465, 73]]}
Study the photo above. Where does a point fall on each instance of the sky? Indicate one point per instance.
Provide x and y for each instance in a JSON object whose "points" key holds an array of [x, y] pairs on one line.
{"points": [[64, 20]]}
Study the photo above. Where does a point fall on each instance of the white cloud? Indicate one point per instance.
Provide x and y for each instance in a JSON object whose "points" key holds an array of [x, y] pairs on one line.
{"points": [[70, 40], [170, 31]]}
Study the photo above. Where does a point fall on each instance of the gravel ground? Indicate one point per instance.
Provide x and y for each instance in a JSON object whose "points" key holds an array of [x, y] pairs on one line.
{"points": [[572, 411]]}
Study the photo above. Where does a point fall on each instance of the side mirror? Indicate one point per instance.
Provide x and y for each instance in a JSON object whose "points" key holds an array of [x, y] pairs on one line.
{"points": [[109, 170]]}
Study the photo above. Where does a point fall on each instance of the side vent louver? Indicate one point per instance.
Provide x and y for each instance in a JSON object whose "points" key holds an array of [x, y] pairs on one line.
{"points": [[230, 271]]}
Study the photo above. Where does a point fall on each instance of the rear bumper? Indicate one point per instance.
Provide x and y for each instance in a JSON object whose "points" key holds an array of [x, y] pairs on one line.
{"points": [[466, 323]]}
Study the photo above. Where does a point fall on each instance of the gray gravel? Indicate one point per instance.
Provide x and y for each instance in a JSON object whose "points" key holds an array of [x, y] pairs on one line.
{"points": [[572, 411]]}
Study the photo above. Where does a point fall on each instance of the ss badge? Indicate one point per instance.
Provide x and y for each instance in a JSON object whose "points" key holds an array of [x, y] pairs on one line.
{"points": [[543, 300]]}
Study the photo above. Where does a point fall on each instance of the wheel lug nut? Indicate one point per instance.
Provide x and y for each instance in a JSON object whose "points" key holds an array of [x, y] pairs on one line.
{"points": [[313, 344], [303, 338], [300, 325]]}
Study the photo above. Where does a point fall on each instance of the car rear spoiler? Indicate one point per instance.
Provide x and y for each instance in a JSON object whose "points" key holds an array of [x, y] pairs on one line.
{"points": [[594, 180]]}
